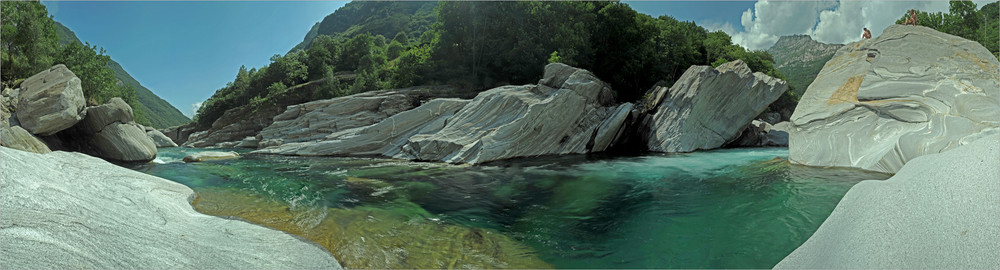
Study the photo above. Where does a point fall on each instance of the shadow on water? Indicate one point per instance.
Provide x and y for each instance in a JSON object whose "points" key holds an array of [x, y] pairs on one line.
{"points": [[731, 208]]}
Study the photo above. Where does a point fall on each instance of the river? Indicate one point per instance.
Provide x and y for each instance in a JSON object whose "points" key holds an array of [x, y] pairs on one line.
{"points": [[730, 208]]}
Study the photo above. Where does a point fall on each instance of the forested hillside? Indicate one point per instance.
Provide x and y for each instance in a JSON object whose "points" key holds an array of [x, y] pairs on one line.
{"points": [[159, 112], [479, 45], [800, 58], [33, 42]]}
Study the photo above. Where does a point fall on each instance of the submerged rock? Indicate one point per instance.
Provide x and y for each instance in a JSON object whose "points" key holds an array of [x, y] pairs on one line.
{"points": [[881, 102], [707, 108], [940, 211], [402, 236], [67, 210], [50, 101], [210, 155]]}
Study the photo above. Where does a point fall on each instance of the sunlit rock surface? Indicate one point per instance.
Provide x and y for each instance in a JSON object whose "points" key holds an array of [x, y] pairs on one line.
{"points": [[210, 155], [50, 101], [66, 210], [709, 107], [940, 211], [884, 101]]}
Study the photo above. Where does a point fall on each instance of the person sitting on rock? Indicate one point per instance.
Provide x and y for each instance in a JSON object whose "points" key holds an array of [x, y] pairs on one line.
{"points": [[912, 20], [867, 34]]}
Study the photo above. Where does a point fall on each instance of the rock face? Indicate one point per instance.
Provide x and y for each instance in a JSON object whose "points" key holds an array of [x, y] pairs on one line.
{"points": [[706, 107], [560, 115], [113, 135], [18, 138], [569, 111], [68, 210], [315, 120], [179, 134], [159, 139], [50, 101], [384, 138], [210, 155], [882, 102], [940, 211], [759, 133]]}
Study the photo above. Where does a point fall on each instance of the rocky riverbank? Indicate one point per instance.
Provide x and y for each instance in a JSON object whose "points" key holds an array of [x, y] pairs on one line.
{"points": [[69, 210]]}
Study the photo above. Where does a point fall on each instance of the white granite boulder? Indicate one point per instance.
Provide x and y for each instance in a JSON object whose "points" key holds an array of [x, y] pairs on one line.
{"points": [[707, 108], [210, 155], [50, 101], [159, 139], [66, 210], [881, 102], [20, 139], [940, 211]]}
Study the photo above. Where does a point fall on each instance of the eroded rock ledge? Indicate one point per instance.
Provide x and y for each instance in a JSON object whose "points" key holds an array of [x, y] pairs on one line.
{"points": [[66, 210]]}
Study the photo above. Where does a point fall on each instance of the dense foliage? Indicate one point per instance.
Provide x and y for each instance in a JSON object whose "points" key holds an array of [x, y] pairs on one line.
{"points": [[30, 45], [964, 20], [482, 45]]}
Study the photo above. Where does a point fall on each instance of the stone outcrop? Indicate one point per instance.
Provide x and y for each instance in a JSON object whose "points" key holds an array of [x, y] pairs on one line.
{"points": [[560, 115], [67, 210], [159, 139], [50, 101], [20, 139], [707, 108], [179, 134], [569, 111], [940, 211], [210, 155], [882, 102], [383, 138], [760, 133], [315, 120], [112, 134]]}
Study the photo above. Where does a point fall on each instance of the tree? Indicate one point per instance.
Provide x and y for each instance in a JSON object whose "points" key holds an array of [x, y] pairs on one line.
{"points": [[27, 38]]}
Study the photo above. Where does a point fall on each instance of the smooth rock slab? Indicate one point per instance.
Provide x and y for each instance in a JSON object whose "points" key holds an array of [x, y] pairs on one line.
{"points": [[50, 101], [707, 108], [940, 211], [159, 139], [210, 155], [68, 210], [881, 102]]}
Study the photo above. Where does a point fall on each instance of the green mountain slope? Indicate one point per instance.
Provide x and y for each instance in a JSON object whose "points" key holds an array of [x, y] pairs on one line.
{"points": [[159, 112], [800, 58], [374, 17]]}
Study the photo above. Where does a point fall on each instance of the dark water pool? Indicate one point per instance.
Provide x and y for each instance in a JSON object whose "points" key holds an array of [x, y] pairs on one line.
{"points": [[734, 208]]}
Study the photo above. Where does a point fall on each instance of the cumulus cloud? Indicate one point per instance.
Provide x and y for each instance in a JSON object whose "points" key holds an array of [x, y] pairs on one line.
{"points": [[768, 20], [195, 107], [827, 21]]}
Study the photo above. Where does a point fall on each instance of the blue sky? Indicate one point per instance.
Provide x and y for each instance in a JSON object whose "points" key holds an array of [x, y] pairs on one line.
{"points": [[184, 51]]}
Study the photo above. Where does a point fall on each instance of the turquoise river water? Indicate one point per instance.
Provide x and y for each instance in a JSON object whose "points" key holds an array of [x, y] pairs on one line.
{"points": [[732, 208]]}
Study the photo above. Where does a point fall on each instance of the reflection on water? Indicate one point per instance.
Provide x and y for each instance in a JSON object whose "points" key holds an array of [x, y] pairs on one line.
{"points": [[736, 208]]}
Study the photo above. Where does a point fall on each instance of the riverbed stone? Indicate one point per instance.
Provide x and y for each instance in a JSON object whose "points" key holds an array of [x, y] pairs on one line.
{"points": [[17, 138], [881, 102], [940, 211], [124, 142], [709, 107], [210, 155], [159, 138], [65, 210], [50, 101]]}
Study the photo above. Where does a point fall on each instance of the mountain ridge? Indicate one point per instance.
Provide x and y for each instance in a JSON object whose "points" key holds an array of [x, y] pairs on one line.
{"points": [[161, 114], [800, 58]]}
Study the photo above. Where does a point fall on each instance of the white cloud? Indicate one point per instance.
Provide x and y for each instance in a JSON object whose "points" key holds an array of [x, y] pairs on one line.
{"points": [[826, 21], [195, 107]]}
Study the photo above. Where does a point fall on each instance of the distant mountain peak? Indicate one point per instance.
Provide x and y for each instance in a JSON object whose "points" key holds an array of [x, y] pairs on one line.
{"points": [[800, 58]]}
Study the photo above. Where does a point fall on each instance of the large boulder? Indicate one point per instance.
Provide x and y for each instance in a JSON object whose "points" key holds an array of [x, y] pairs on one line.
{"points": [[707, 108], [210, 155], [50, 101], [179, 134], [68, 210], [159, 139], [940, 211], [18, 138], [560, 115], [98, 117], [884, 101], [124, 142]]}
